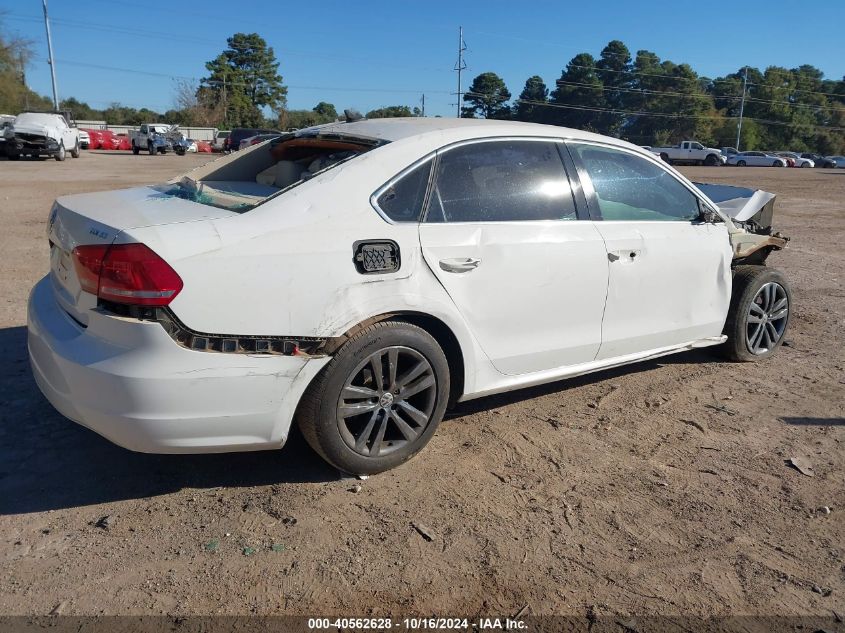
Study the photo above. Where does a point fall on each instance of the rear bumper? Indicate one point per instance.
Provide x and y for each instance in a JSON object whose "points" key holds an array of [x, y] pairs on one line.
{"points": [[131, 383]]}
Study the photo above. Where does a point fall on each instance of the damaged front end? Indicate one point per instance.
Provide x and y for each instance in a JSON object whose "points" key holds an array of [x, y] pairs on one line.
{"points": [[750, 212]]}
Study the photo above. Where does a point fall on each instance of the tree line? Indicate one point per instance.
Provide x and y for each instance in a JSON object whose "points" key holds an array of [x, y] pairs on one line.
{"points": [[650, 101], [637, 97]]}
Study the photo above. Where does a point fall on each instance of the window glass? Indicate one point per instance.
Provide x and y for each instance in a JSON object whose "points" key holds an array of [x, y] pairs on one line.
{"points": [[403, 200], [501, 181], [632, 188]]}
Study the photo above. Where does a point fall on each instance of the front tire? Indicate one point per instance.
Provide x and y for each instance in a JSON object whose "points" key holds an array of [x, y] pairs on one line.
{"points": [[379, 401], [151, 149], [759, 314], [61, 154], [740, 163], [711, 160], [135, 149]]}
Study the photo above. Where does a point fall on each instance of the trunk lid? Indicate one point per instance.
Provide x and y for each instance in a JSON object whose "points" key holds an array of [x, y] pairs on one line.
{"points": [[98, 218]]}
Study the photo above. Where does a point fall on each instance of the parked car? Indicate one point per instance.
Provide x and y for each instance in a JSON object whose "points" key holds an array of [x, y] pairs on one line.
{"points": [[820, 161], [756, 159], [233, 141], [219, 140], [84, 139], [839, 161], [258, 138], [210, 312], [690, 153], [727, 152], [41, 134], [797, 160]]}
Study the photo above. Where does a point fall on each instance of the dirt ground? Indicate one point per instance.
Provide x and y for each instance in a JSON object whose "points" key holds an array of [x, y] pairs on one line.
{"points": [[656, 489]]}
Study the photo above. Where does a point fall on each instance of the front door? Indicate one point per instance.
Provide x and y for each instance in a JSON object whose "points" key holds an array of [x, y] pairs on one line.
{"points": [[670, 272]]}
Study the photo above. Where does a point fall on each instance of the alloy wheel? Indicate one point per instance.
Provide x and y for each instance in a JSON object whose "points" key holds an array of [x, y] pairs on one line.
{"points": [[767, 318], [387, 401]]}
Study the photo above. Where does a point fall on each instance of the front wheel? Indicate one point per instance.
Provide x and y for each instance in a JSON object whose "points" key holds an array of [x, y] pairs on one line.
{"points": [[711, 160], [759, 313], [379, 401], [740, 163], [135, 149], [803, 165], [60, 155], [151, 149], [777, 163]]}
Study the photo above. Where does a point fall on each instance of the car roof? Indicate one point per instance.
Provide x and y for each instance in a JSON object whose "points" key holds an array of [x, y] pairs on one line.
{"points": [[399, 128]]}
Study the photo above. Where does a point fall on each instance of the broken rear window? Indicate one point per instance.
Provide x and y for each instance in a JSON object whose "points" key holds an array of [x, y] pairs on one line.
{"points": [[245, 180]]}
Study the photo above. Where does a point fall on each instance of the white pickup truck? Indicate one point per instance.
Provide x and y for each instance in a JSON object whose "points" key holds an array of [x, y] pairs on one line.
{"points": [[41, 134], [691, 153]]}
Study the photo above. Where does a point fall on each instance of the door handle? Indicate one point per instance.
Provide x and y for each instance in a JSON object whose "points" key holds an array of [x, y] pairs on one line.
{"points": [[459, 264]]}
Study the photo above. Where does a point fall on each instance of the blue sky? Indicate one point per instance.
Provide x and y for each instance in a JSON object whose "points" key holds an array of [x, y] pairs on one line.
{"points": [[369, 54]]}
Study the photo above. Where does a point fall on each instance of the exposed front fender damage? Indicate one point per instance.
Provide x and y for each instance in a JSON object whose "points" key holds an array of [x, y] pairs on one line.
{"points": [[749, 214]]}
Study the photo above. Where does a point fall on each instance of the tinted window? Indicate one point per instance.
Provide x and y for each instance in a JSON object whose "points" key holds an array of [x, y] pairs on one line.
{"points": [[501, 181], [403, 200], [629, 187]]}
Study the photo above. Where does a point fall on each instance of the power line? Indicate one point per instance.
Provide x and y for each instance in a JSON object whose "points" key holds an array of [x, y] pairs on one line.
{"points": [[666, 115]]}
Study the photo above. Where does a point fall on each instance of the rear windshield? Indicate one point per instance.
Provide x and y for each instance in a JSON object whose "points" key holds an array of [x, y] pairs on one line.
{"points": [[245, 180]]}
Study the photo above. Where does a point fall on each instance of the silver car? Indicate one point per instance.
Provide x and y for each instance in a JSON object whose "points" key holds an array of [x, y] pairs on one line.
{"points": [[756, 159]]}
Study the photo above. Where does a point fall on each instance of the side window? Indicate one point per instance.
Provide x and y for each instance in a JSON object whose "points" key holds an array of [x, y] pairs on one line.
{"points": [[501, 181], [403, 200], [143, 129], [631, 188]]}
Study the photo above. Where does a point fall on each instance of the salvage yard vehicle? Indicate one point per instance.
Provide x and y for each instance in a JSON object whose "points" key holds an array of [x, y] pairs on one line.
{"points": [[820, 161], [690, 153], [359, 278], [41, 134], [155, 138], [84, 139], [797, 161], [756, 159]]}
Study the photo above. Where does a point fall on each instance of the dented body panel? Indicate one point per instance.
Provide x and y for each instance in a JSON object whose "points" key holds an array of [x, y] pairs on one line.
{"points": [[550, 299]]}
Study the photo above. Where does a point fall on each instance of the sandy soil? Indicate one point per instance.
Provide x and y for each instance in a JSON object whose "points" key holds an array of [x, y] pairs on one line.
{"points": [[660, 488]]}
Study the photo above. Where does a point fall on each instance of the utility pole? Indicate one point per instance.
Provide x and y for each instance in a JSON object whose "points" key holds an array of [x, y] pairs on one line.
{"points": [[422, 101], [741, 108], [460, 65], [50, 59]]}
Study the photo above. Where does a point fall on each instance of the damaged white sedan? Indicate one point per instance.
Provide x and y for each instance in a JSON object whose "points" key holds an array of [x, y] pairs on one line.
{"points": [[358, 278]]}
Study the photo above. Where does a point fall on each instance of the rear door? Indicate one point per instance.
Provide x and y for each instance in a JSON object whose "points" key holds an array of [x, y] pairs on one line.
{"points": [[502, 236], [670, 272]]}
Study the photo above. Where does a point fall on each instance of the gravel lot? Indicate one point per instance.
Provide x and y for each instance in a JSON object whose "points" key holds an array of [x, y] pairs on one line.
{"points": [[660, 488]]}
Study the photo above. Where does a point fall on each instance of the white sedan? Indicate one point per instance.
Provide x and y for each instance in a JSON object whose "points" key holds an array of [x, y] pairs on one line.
{"points": [[359, 278], [756, 159], [797, 160]]}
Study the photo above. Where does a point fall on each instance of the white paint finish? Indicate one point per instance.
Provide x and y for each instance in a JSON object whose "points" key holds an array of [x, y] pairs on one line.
{"points": [[535, 299], [534, 302], [675, 288], [127, 380], [48, 125]]}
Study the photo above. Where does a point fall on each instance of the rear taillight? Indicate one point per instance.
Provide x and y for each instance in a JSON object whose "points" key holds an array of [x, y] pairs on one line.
{"points": [[126, 273]]}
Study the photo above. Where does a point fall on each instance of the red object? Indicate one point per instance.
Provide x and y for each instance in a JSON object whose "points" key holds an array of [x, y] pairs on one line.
{"points": [[96, 138], [202, 146], [123, 142], [110, 140], [126, 273], [790, 162]]}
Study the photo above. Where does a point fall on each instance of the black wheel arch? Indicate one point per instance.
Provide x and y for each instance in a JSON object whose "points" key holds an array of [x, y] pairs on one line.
{"points": [[438, 330]]}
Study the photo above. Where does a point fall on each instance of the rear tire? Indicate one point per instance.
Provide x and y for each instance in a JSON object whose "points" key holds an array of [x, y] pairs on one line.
{"points": [[740, 163], [759, 294], [364, 418], [75, 151], [135, 149], [777, 163]]}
